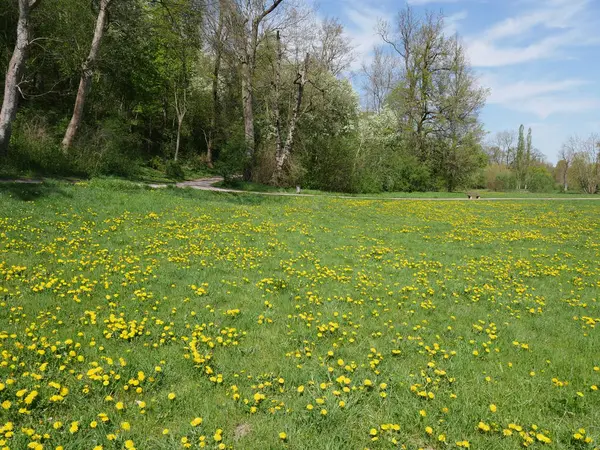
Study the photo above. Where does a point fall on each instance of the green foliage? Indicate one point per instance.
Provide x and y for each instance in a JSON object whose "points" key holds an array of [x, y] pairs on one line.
{"points": [[499, 178], [154, 52], [174, 170], [331, 169], [541, 180], [35, 149], [232, 158], [108, 149]]}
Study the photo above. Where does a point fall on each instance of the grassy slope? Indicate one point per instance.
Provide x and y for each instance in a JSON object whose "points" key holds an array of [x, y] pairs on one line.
{"points": [[356, 278]]}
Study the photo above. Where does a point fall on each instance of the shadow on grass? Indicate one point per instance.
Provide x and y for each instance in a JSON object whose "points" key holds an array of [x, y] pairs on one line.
{"points": [[32, 191], [225, 197]]}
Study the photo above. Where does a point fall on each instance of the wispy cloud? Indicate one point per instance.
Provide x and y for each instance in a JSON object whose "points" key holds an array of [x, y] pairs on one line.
{"points": [[542, 98], [544, 31], [361, 27], [452, 22]]}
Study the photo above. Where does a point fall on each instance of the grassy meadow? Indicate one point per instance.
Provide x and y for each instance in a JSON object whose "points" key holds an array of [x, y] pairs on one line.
{"points": [[170, 319]]}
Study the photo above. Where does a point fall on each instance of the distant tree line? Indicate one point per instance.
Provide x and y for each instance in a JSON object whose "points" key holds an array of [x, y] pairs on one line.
{"points": [[515, 164]]}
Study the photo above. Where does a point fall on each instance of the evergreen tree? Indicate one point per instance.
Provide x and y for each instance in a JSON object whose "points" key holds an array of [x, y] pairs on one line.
{"points": [[527, 162], [520, 158]]}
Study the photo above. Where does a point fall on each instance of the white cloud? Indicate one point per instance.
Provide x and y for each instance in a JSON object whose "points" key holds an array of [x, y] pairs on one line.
{"points": [[452, 22], [545, 31], [542, 98], [362, 30], [546, 106], [552, 15]]}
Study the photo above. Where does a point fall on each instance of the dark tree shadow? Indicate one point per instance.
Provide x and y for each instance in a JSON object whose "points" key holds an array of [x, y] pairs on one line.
{"points": [[32, 191]]}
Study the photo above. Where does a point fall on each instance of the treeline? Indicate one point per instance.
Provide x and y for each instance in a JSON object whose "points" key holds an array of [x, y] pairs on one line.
{"points": [[514, 164], [256, 88]]}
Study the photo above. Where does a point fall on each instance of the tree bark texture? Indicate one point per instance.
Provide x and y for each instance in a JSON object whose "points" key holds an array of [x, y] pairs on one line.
{"points": [[87, 71], [284, 155], [14, 72]]}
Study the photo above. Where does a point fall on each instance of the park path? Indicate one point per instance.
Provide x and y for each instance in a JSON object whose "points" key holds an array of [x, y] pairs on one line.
{"points": [[207, 184]]}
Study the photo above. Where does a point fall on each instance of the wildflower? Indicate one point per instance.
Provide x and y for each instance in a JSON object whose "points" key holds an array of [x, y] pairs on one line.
{"points": [[197, 421]]}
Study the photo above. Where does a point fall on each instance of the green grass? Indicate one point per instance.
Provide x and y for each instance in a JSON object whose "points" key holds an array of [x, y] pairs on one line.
{"points": [[141, 173], [97, 291], [257, 187]]}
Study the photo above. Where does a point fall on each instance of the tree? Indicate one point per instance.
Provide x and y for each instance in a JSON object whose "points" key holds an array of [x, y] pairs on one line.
{"points": [[505, 140], [87, 71], [437, 100], [180, 20], [519, 163], [566, 154], [381, 77], [331, 47], [245, 19], [420, 45], [458, 101], [299, 65], [216, 33], [586, 163], [284, 152], [528, 157], [14, 72], [494, 154]]}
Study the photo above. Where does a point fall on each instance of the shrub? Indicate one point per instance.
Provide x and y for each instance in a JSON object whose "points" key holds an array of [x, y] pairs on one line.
{"points": [[499, 178], [174, 170], [109, 149], [541, 180], [157, 163], [33, 148], [232, 158]]}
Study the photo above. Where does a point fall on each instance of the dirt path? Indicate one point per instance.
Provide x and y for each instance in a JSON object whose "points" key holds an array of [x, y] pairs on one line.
{"points": [[206, 184]]}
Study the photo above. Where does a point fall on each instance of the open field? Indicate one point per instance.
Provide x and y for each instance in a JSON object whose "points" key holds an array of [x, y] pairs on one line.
{"points": [[167, 319]]}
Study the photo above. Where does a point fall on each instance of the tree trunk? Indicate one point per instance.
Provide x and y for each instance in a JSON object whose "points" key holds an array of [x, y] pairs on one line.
{"points": [[247, 100], [565, 174], [87, 71], [179, 123], [215, 119], [180, 110], [16, 65], [248, 67], [277, 95], [289, 142]]}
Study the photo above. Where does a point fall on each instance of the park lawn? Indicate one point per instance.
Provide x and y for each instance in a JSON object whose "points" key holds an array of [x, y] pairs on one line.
{"points": [[484, 193], [167, 319]]}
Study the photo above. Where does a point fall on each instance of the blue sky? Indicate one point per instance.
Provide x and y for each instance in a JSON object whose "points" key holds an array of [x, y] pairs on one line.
{"points": [[539, 58]]}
